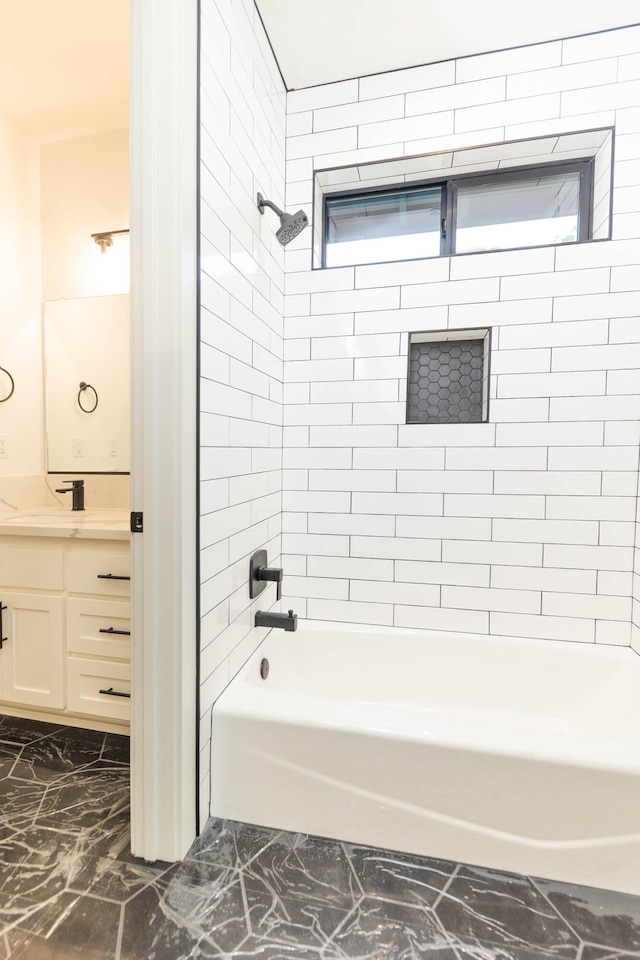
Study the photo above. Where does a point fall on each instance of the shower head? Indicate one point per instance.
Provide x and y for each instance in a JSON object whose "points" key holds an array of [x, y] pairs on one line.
{"points": [[291, 224]]}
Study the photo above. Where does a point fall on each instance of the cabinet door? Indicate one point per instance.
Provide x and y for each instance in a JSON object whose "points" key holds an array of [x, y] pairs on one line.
{"points": [[32, 656]]}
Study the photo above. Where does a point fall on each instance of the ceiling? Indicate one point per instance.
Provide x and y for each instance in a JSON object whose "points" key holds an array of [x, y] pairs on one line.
{"points": [[320, 41], [64, 66]]}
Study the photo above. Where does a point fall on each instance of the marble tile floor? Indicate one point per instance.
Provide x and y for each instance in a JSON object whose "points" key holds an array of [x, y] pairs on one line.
{"points": [[70, 889]]}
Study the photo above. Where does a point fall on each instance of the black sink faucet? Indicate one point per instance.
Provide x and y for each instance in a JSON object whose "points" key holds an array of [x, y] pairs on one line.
{"points": [[77, 489], [285, 621]]}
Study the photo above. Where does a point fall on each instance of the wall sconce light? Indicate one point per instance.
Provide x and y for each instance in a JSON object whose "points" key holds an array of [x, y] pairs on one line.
{"points": [[105, 239]]}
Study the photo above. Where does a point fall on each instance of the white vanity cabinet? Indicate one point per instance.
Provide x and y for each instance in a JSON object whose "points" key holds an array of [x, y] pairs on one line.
{"points": [[66, 627]]}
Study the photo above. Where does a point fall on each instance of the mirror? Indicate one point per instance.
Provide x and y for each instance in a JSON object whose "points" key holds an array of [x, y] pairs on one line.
{"points": [[86, 359]]}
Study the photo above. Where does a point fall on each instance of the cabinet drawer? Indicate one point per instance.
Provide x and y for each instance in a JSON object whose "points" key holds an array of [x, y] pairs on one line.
{"points": [[98, 628], [31, 569], [86, 678], [92, 573]]}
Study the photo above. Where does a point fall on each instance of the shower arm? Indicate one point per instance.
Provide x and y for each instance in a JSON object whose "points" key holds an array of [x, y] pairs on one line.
{"points": [[262, 203]]}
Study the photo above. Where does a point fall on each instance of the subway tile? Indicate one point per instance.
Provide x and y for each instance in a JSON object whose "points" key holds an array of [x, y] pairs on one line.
{"points": [[294, 523], [409, 128], [526, 109], [329, 325], [352, 480], [502, 263], [296, 393], [307, 458], [444, 528], [549, 434], [547, 531], [374, 345], [416, 504], [543, 627], [361, 436], [588, 557], [388, 321], [316, 500], [457, 574], [568, 334], [618, 633], [394, 547], [518, 59], [493, 505], [593, 606], [449, 435], [437, 618], [315, 545], [521, 361], [350, 611], [613, 583], [404, 81], [593, 458], [618, 433], [317, 144], [297, 349], [501, 313], [445, 481], [317, 413], [563, 78], [552, 384], [496, 458], [617, 533], [481, 598], [433, 270], [320, 281], [399, 458], [380, 368], [326, 95], [455, 96], [481, 551], [610, 97], [622, 382], [603, 356], [455, 291], [543, 578], [315, 370], [596, 45], [299, 123], [355, 391], [529, 410], [591, 408], [323, 587], [350, 567], [590, 508], [352, 524], [380, 412], [596, 306], [382, 298], [619, 484], [355, 114], [561, 284], [416, 594], [548, 482]]}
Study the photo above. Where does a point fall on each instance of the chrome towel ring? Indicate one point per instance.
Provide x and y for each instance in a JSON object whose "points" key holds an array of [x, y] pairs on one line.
{"points": [[87, 386]]}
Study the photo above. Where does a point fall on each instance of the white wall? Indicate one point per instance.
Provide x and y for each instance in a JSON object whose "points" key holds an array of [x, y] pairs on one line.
{"points": [[523, 525], [242, 285], [20, 328], [85, 190]]}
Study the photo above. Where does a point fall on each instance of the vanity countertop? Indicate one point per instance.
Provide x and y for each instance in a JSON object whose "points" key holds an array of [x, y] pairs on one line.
{"points": [[84, 525]]}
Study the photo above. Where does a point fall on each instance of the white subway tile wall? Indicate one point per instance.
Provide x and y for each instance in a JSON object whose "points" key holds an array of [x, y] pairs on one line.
{"points": [[242, 282], [525, 525]]}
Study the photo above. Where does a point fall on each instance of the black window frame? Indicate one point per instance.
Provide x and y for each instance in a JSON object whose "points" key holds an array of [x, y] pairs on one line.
{"points": [[448, 208]]}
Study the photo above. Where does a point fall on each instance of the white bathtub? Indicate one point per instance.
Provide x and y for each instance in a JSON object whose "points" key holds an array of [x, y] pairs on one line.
{"points": [[522, 755]]}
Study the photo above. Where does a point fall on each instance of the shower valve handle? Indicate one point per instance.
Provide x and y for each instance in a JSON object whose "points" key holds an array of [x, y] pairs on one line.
{"points": [[275, 574]]}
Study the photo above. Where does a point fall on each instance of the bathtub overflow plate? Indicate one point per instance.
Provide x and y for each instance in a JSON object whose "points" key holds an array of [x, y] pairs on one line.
{"points": [[264, 668]]}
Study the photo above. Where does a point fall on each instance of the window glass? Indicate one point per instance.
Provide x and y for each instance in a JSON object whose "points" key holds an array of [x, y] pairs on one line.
{"points": [[517, 212], [379, 227]]}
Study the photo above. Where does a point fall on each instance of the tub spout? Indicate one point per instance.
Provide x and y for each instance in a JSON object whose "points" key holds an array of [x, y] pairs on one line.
{"points": [[284, 621]]}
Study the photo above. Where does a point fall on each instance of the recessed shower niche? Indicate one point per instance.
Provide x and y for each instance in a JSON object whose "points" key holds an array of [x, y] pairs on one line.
{"points": [[448, 376]]}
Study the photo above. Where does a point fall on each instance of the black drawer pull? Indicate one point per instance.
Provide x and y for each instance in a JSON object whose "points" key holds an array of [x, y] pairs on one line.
{"points": [[120, 633], [114, 693], [2, 639], [111, 576]]}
